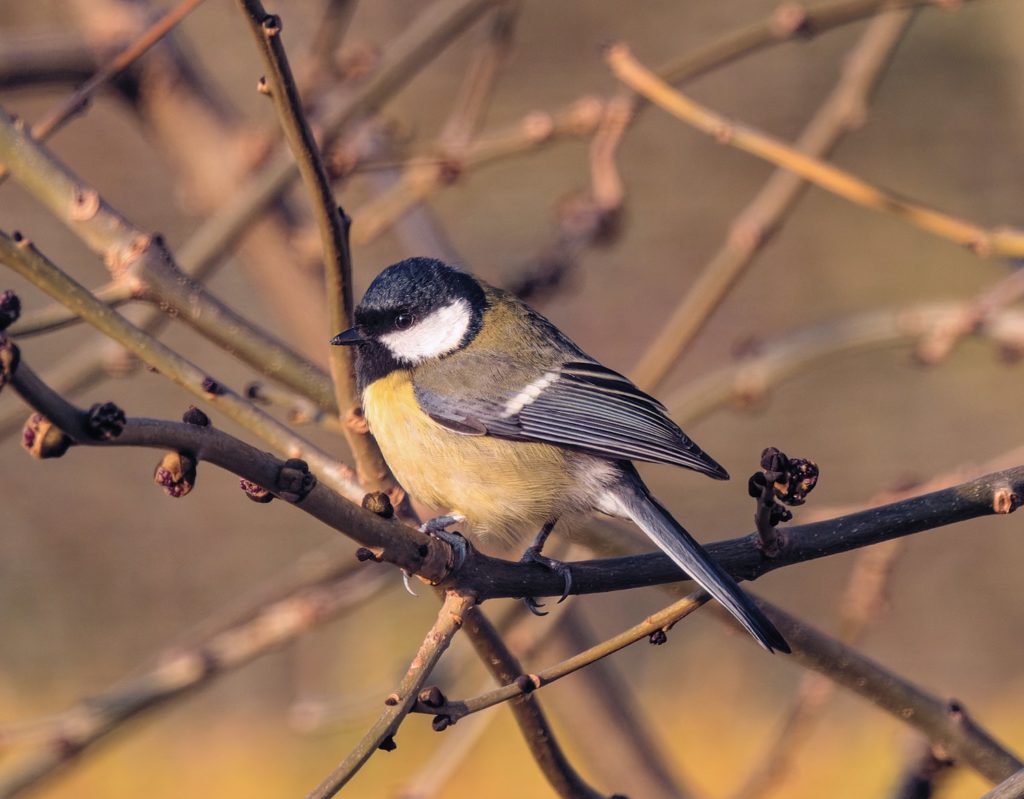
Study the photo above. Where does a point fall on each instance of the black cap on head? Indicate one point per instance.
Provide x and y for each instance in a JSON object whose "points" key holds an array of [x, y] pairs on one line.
{"points": [[420, 284]]}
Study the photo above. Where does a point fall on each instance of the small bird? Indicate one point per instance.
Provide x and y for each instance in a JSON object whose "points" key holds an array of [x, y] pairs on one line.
{"points": [[483, 407]]}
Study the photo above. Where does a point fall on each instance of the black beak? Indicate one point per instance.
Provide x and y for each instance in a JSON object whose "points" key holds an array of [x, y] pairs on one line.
{"points": [[351, 336]]}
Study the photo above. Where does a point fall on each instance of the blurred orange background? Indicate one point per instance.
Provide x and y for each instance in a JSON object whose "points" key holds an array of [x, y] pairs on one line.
{"points": [[99, 571]]}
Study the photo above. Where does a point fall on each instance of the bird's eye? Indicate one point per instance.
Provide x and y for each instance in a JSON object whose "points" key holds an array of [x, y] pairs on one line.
{"points": [[404, 320]]}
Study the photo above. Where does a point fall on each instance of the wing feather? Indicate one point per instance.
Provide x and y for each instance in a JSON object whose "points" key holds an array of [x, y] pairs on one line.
{"points": [[587, 407]]}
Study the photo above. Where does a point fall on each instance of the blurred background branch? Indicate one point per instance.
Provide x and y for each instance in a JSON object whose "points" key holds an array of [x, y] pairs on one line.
{"points": [[654, 199]]}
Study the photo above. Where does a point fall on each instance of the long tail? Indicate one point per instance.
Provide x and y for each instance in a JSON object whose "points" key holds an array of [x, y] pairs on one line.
{"points": [[648, 514]]}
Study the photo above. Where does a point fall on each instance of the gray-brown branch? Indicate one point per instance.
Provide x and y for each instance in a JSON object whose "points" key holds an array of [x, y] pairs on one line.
{"points": [[490, 577]]}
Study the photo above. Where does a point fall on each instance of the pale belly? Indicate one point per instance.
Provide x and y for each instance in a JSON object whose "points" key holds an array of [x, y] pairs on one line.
{"points": [[507, 488]]}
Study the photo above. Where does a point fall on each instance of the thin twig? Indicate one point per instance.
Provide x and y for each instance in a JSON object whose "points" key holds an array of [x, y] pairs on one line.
{"points": [[926, 769], [602, 699], [945, 722], [386, 540], [1010, 788], [747, 382], [26, 260], [451, 153], [862, 603], [371, 470], [533, 724], [943, 339], [1003, 241], [381, 735], [842, 111], [311, 601], [518, 685], [56, 316], [76, 102]]}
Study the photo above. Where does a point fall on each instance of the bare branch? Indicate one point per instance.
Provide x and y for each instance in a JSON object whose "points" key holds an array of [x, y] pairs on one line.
{"points": [[372, 472], [521, 685], [1010, 788], [842, 111], [79, 98], [1004, 241], [389, 541], [946, 723], [381, 736], [25, 259], [747, 381], [311, 601], [924, 772], [527, 711]]}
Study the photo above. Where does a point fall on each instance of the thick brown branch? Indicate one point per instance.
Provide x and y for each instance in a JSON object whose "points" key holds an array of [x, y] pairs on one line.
{"points": [[488, 577], [390, 541], [143, 262], [996, 493]]}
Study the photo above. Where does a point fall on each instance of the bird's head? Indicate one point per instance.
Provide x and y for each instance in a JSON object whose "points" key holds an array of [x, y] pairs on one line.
{"points": [[416, 310]]}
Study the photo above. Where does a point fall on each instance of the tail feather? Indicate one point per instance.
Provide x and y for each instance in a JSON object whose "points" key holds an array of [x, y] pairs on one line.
{"points": [[649, 515]]}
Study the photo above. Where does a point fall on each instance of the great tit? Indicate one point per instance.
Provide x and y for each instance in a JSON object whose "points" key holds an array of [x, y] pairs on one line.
{"points": [[483, 407]]}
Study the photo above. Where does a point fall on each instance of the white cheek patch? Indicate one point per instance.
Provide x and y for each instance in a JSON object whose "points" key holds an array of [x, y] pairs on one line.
{"points": [[437, 334], [529, 394]]}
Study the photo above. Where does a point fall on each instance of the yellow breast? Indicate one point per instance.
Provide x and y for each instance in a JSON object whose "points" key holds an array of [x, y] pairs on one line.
{"points": [[500, 486]]}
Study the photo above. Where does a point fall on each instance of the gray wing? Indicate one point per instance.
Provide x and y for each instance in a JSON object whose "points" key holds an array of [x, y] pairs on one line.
{"points": [[579, 404]]}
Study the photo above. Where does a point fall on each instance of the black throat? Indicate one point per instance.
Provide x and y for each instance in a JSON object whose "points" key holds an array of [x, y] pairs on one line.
{"points": [[373, 361]]}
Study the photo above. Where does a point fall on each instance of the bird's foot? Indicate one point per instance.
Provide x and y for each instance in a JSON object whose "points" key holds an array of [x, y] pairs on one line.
{"points": [[437, 527], [532, 555]]}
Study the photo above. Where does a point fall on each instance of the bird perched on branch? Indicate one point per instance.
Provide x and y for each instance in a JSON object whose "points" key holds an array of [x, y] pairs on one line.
{"points": [[482, 407]]}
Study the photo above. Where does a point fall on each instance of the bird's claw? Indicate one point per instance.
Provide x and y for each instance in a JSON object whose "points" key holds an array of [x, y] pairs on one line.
{"points": [[437, 527], [440, 524], [534, 606], [532, 555]]}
